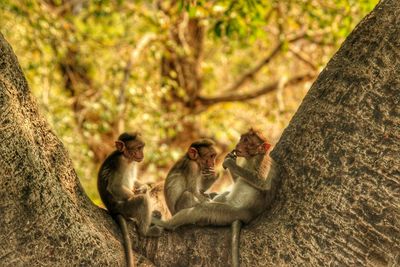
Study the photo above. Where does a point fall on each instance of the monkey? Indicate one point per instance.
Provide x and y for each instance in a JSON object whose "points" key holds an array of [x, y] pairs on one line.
{"points": [[123, 196], [253, 190], [191, 176]]}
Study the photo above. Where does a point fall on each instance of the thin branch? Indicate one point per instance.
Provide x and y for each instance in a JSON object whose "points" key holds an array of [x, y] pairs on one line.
{"points": [[208, 101], [181, 28], [279, 93], [303, 58], [133, 59], [252, 72]]}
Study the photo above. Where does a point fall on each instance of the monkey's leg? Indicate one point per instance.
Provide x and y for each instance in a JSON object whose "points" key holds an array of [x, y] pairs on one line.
{"points": [[154, 231], [141, 211], [220, 197], [236, 226], [187, 200], [207, 214], [138, 209]]}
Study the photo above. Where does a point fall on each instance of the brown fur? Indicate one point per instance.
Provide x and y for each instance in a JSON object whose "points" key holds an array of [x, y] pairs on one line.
{"points": [[115, 183], [254, 185], [187, 181]]}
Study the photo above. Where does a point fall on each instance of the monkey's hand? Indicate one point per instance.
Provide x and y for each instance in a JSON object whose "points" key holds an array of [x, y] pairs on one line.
{"points": [[209, 174], [208, 177], [200, 197], [229, 161], [211, 195], [232, 154], [141, 189], [156, 214]]}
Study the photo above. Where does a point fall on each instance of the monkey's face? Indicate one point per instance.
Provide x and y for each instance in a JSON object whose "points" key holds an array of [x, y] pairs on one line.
{"points": [[250, 145], [204, 156], [207, 157], [133, 150]]}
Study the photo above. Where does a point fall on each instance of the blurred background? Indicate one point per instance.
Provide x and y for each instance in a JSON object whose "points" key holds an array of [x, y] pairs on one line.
{"points": [[173, 70]]}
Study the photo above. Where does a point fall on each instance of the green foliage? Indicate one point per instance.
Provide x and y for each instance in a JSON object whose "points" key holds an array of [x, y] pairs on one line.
{"points": [[94, 65]]}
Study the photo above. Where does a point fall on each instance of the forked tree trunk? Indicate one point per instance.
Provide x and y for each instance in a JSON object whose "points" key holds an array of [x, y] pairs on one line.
{"points": [[338, 204]]}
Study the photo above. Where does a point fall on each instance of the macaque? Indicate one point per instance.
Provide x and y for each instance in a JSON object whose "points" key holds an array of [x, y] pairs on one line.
{"points": [[253, 191], [191, 176], [124, 197]]}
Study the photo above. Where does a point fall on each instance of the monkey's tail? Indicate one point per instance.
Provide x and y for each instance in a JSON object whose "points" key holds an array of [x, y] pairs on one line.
{"points": [[127, 241], [236, 226]]}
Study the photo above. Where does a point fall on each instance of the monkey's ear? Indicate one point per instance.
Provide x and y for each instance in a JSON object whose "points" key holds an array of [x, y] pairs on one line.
{"points": [[193, 153], [266, 146], [119, 145]]}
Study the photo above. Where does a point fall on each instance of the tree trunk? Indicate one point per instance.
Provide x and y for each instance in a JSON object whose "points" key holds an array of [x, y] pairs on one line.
{"points": [[181, 63], [45, 217], [338, 203]]}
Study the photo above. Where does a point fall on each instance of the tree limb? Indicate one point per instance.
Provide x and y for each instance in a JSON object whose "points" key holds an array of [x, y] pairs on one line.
{"points": [[303, 59], [208, 101], [252, 72]]}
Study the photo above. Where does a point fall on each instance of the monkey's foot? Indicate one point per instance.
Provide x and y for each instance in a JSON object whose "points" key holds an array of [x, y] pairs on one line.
{"points": [[163, 224], [154, 231], [156, 214]]}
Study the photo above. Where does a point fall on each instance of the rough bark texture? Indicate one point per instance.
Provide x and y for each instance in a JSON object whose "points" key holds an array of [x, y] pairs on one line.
{"points": [[45, 217], [338, 204], [339, 200]]}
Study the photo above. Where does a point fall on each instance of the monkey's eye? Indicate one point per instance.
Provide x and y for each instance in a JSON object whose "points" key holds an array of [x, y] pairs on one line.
{"points": [[135, 148]]}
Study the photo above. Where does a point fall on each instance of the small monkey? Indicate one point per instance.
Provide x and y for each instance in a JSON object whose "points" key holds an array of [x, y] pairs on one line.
{"points": [[253, 191], [248, 147], [191, 176], [123, 196]]}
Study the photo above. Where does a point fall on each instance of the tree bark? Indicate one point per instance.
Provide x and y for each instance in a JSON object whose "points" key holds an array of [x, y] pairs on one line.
{"points": [[46, 219], [338, 203]]}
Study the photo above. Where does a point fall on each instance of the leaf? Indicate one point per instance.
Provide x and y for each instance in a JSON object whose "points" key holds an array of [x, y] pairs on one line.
{"points": [[181, 4], [218, 28], [192, 11]]}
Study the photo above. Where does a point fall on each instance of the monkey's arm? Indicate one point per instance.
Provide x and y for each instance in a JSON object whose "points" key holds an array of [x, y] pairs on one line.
{"points": [[207, 180], [231, 157], [174, 188], [120, 193], [118, 190], [234, 176], [253, 177], [140, 188]]}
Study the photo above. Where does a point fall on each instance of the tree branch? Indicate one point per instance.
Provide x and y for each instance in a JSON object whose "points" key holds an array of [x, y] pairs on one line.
{"points": [[133, 59], [208, 101], [303, 58], [252, 72]]}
